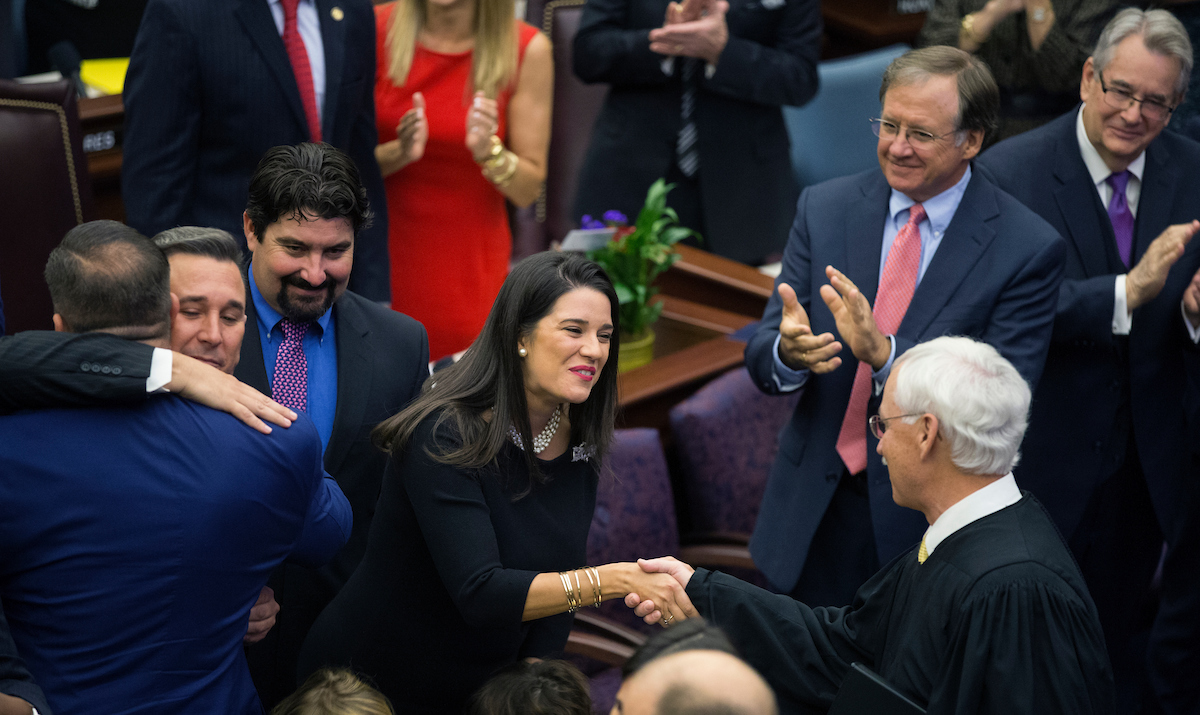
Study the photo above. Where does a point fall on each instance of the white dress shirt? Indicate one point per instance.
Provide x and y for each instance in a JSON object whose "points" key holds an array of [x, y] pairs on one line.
{"points": [[999, 494]]}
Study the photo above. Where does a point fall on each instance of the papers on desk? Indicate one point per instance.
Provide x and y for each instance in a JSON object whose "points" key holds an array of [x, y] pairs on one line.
{"points": [[587, 239], [108, 75]]}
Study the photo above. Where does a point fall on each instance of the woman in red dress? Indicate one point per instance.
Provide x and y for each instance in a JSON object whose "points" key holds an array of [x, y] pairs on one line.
{"points": [[462, 103]]}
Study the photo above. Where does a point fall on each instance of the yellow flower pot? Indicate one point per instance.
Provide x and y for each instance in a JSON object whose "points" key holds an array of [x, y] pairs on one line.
{"points": [[636, 352]]}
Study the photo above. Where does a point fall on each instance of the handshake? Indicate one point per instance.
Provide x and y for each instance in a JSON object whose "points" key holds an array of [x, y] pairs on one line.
{"points": [[656, 599]]}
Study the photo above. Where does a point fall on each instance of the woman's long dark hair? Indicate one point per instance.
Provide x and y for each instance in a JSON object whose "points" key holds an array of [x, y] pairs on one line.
{"points": [[490, 376]]}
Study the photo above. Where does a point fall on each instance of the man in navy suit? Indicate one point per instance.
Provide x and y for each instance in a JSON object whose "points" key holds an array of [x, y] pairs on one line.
{"points": [[138, 539], [212, 86], [933, 249], [1108, 452]]}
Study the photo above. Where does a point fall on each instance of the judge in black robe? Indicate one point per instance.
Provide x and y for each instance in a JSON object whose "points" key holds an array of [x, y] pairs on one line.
{"points": [[988, 615], [997, 620]]}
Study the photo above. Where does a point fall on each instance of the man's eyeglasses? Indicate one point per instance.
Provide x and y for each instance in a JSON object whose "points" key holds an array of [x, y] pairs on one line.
{"points": [[1123, 99], [879, 424], [917, 137]]}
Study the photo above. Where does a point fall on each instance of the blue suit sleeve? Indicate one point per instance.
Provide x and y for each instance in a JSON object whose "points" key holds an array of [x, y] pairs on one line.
{"points": [[326, 527], [162, 123], [796, 272]]}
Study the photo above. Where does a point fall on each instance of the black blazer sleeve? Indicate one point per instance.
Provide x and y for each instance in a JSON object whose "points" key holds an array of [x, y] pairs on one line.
{"points": [[162, 123], [371, 277], [785, 73], [46, 369], [15, 679], [608, 50]]}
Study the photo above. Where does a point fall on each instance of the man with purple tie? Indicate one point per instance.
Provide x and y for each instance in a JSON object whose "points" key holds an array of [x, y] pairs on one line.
{"points": [[1107, 450]]}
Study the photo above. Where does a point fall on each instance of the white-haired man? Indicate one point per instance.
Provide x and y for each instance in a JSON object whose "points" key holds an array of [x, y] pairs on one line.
{"points": [[989, 614]]}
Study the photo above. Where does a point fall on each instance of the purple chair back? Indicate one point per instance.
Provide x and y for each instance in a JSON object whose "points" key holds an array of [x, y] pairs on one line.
{"points": [[727, 435], [635, 510]]}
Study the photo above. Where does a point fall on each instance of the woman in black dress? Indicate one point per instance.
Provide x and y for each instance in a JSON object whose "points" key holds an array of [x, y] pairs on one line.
{"points": [[476, 548]]}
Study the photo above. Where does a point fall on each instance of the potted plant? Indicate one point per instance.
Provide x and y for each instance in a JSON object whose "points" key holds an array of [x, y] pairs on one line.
{"points": [[633, 258]]}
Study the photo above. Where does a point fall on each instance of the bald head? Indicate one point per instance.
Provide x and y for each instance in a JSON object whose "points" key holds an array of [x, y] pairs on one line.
{"points": [[695, 682]]}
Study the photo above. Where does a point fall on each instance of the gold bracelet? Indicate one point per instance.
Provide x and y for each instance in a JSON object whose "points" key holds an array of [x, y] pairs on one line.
{"points": [[599, 588], [587, 571], [572, 603], [501, 169], [578, 590]]}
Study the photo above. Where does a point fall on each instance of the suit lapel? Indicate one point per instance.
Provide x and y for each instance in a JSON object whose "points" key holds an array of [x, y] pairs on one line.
{"points": [[864, 235], [967, 237], [332, 37], [354, 381], [1160, 180], [1081, 209], [255, 16], [250, 368]]}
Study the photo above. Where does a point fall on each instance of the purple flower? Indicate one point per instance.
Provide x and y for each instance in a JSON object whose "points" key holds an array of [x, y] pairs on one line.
{"points": [[588, 222], [612, 216]]}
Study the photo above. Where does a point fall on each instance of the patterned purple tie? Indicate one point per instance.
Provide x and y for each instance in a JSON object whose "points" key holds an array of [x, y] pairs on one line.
{"points": [[1120, 215], [291, 367]]}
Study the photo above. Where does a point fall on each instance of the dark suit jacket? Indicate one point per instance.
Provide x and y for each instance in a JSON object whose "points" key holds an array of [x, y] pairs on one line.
{"points": [[383, 359], [15, 679], [210, 89], [136, 539], [995, 277], [746, 178], [1099, 388]]}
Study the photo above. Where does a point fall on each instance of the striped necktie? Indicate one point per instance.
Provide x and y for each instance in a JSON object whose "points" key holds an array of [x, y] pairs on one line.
{"points": [[687, 152]]}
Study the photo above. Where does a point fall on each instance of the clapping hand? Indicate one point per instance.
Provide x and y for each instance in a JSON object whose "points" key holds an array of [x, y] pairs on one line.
{"points": [[799, 349], [1191, 301], [644, 604], [854, 319], [483, 121], [703, 37], [413, 131]]}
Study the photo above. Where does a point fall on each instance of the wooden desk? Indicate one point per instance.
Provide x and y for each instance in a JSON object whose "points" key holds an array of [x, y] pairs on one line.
{"points": [[103, 121], [853, 26]]}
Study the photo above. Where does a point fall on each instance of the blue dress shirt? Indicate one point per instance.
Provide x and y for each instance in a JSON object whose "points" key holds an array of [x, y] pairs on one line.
{"points": [[320, 349], [939, 211]]}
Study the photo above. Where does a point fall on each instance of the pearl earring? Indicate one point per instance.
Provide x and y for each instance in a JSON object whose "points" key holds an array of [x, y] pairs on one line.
{"points": [[522, 352]]}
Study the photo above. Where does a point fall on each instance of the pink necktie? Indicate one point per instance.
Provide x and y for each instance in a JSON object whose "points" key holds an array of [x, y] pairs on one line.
{"points": [[298, 56], [290, 388], [895, 292]]}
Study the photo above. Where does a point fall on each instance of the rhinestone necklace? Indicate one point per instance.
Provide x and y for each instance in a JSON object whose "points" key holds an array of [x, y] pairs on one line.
{"points": [[542, 441]]}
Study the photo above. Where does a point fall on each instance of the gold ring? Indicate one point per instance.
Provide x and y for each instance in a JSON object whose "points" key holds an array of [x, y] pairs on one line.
{"points": [[667, 620]]}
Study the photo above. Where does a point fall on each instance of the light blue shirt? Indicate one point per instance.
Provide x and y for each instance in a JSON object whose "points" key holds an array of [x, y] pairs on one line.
{"points": [[320, 350], [939, 211], [309, 26]]}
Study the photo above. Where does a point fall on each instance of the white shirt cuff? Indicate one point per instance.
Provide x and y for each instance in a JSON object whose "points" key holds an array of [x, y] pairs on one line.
{"points": [[668, 66], [1122, 318], [1192, 331], [880, 376], [160, 371], [787, 379], [709, 70]]}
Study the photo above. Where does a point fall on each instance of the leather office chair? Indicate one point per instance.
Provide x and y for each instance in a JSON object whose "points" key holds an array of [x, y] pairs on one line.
{"points": [[576, 106], [44, 192], [830, 135]]}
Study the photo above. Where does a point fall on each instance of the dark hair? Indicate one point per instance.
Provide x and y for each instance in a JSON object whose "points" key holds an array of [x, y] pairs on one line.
{"points": [[978, 95], [306, 181], [546, 687], [680, 699], [198, 241], [334, 691], [107, 276], [691, 634], [489, 376]]}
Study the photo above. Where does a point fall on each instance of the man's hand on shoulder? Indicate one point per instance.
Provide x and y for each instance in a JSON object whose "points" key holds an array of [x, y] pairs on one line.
{"points": [[10, 705], [198, 382], [262, 616]]}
